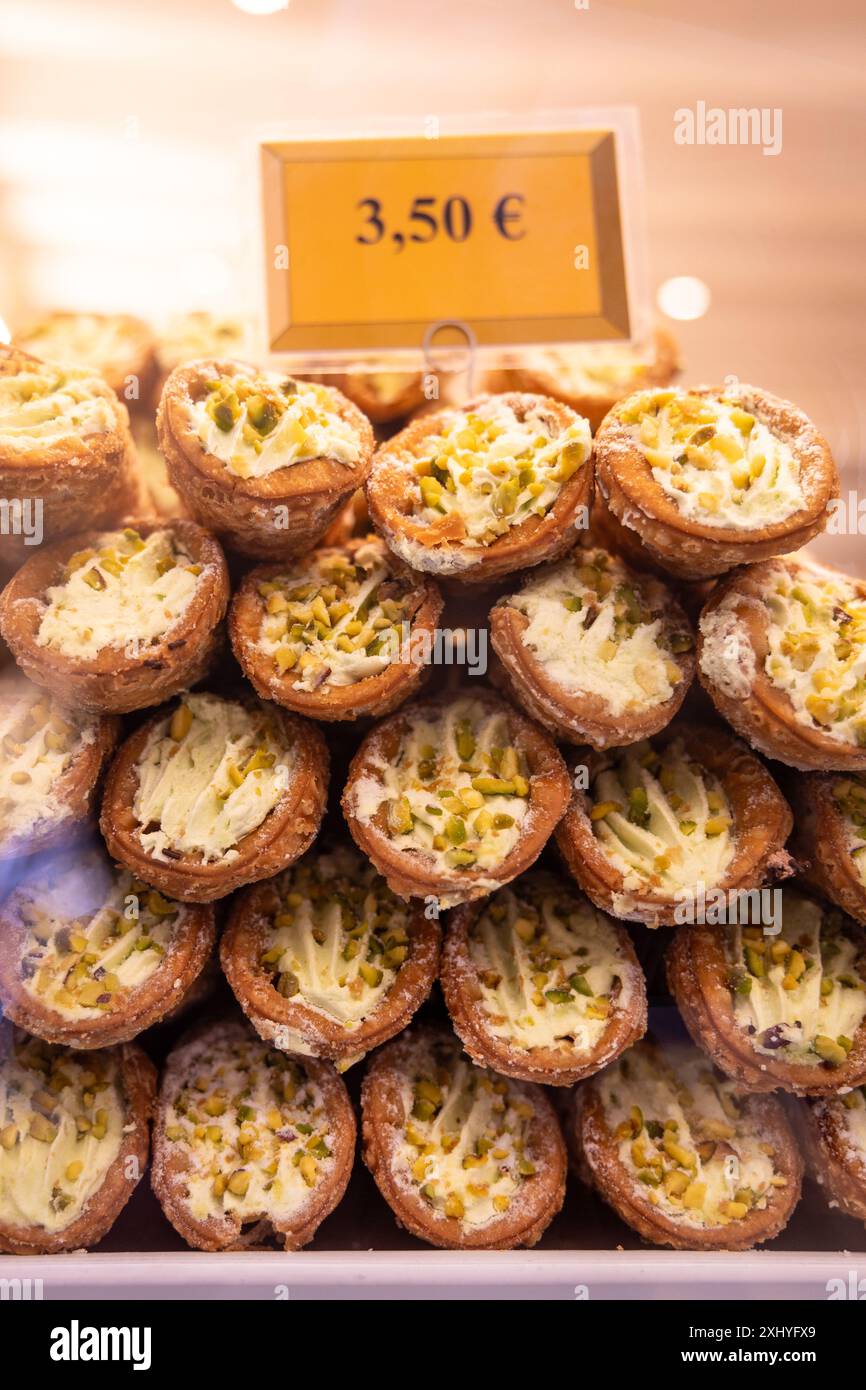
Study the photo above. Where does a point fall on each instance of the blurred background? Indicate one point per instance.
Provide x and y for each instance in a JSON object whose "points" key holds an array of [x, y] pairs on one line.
{"points": [[128, 172]]}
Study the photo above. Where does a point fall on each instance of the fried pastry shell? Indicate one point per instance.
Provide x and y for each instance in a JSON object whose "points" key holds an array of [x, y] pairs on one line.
{"points": [[119, 346], [374, 695], [273, 517], [81, 479], [822, 838], [686, 547], [386, 1102], [595, 1148], [138, 1081], [583, 716], [284, 834], [761, 825], [133, 1008], [413, 873], [230, 1230], [115, 680], [732, 650], [435, 549], [833, 1158], [294, 1024], [565, 1061], [697, 971]]}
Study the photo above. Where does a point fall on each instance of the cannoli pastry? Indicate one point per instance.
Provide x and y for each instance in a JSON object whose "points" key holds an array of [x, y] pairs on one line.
{"points": [[346, 631], [214, 793], [51, 760], [541, 985], [682, 1156], [714, 477], [478, 492], [782, 653], [465, 1159], [249, 1144], [161, 499], [119, 347], [265, 461], [595, 652], [382, 391], [90, 956], [66, 453], [665, 821], [590, 377], [834, 1131], [781, 1004], [190, 336], [453, 796], [353, 521], [74, 1139], [830, 837], [117, 620], [325, 960]]}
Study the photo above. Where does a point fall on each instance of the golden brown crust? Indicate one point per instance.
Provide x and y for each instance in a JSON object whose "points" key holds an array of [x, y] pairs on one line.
{"points": [[551, 1066], [138, 1076], [820, 843], [371, 696], [660, 369], [274, 517], [132, 1010], [134, 366], [529, 543], [686, 547], [116, 680], [352, 521], [412, 873], [600, 1161], [697, 973], [761, 825], [759, 710], [831, 1159], [73, 794], [170, 1163], [383, 1122], [285, 833], [579, 716], [280, 1020], [81, 481]]}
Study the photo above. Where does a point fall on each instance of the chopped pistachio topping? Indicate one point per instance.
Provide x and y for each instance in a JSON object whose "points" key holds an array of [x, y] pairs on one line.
{"points": [[661, 818], [549, 966], [718, 463], [61, 1128], [816, 636], [43, 404], [335, 618], [337, 937], [591, 626], [258, 423], [849, 1107], [253, 1126], [209, 774], [466, 1147], [456, 789], [124, 590], [685, 1140], [489, 469], [38, 741], [91, 935], [799, 994], [849, 793]]}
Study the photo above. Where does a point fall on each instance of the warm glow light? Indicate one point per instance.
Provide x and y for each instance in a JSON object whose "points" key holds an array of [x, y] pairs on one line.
{"points": [[684, 297], [5, 334], [260, 6]]}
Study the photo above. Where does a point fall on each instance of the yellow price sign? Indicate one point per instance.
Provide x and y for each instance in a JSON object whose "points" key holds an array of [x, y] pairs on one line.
{"points": [[369, 243]]}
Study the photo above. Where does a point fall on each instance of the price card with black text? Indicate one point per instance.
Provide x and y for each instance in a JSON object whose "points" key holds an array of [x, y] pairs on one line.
{"points": [[521, 237]]}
